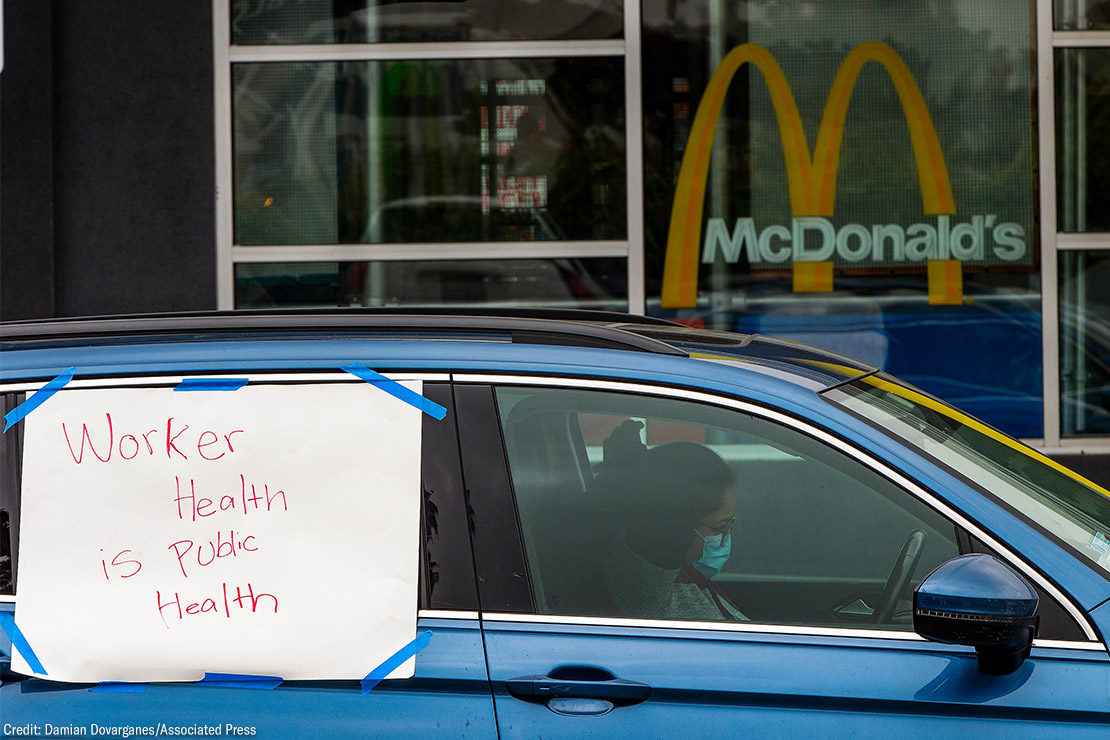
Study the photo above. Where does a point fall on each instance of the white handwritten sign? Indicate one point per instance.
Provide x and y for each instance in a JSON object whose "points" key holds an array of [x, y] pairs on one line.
{"points": [[269, 531]]}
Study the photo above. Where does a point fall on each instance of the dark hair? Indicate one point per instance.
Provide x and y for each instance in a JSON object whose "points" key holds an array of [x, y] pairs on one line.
{"points": [[663, 491], [690, 472]]}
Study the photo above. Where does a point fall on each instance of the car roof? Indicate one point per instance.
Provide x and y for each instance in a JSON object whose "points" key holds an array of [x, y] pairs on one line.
{"points": [[806, 365]]}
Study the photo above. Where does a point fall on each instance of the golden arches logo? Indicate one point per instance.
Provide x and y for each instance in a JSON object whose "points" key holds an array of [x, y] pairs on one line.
{"points": [[812, 181]]}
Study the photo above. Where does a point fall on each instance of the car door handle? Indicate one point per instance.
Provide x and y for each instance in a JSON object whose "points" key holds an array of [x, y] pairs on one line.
{"points": [[605, 686]]}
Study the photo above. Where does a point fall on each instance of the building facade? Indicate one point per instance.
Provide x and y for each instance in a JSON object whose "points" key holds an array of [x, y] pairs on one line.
{"points": [[922, 185]]}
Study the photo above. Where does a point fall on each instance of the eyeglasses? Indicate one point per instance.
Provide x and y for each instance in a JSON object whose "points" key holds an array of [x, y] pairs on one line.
{"points": [[724, 532]]}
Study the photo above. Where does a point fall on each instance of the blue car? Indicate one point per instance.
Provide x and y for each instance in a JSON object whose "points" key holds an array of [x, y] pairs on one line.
{"points": [[614, 526]]}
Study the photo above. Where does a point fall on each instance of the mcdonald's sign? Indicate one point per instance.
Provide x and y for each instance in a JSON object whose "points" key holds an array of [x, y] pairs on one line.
{"points": [[812, 185]]}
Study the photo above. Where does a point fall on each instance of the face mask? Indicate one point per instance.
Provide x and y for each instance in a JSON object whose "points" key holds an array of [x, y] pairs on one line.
{"points": [[714, 554]]}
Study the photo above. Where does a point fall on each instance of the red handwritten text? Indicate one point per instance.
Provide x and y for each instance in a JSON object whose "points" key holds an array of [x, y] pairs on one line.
{"points": [[174, 442], [209, 552], [134, 566], [190, 506], [219, 605]]}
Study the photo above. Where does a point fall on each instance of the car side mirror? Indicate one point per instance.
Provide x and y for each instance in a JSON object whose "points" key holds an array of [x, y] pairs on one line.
{"points": [[980, 601]]}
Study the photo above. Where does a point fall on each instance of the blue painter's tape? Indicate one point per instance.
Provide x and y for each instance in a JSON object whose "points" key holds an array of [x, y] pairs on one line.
{"points": [[19, 642], [118, 687], [394, 661], [240, 681], [211, 384], [37, 398], [392, 387]]}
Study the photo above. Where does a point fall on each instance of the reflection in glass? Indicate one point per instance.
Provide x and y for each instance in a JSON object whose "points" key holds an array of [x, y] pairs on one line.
{"points": [[372, 21], [597, 283], [429, 151], [983, 356], [971, 61], [1084, 343], [1042, 491], [1083, 139], [1080, 15]]}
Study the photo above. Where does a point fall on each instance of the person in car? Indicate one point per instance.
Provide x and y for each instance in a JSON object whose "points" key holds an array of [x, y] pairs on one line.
{"points": [[676, 510]]}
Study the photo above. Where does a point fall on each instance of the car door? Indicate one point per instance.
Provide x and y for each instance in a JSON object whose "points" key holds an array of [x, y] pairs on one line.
{"points": [[804, 632], [448, 695]]}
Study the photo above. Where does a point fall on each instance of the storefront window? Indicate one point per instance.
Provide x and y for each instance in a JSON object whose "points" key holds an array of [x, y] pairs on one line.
{"points": [[255, 22], [1084, 343], [429, 151], [595, 283], [1083, 139], [856, 175], [1081, 15]]}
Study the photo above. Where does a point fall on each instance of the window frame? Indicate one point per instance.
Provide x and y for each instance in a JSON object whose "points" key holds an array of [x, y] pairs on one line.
{"points": [[821, 435], [228, 254], [1054, 241]]}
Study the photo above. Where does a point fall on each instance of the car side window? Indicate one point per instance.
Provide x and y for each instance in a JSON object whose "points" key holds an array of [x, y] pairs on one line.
{"points": [[662, 508], [11, 444]]}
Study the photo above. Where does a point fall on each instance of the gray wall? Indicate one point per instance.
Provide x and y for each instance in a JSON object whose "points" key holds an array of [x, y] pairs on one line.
{"points": [[106, 158]]}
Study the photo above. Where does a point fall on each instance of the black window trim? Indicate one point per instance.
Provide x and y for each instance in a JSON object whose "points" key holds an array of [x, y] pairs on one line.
{"points": [[504, 579]]}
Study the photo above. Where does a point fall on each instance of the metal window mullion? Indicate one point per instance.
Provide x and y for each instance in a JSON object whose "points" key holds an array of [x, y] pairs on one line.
{"points": [[1087, 241], [1050, 310], [1079, 38], [225, 269], [720, 272], [1078, 128], [1080, 332], [430, 251], [634, 156], [405, 51], [1092, 445]]}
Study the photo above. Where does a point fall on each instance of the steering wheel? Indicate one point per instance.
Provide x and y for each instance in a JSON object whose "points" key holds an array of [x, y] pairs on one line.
{"points": [[899, 578]]}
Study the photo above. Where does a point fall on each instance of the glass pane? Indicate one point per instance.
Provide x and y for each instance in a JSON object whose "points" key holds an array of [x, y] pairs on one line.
{"points": [[1083, 139], [374, 21], [1068, 506], [1084, 343], [429, 151], [1080, 15], [984, 356], [862, 178], [662, 509], [11, 455], [551, 283]]}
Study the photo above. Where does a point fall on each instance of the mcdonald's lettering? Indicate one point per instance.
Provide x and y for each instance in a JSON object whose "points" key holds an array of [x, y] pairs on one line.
{"points": [[812, 185], [815, 239]]}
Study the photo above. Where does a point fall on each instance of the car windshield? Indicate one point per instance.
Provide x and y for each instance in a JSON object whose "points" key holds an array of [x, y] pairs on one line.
{"points": [[1070, 507]]}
